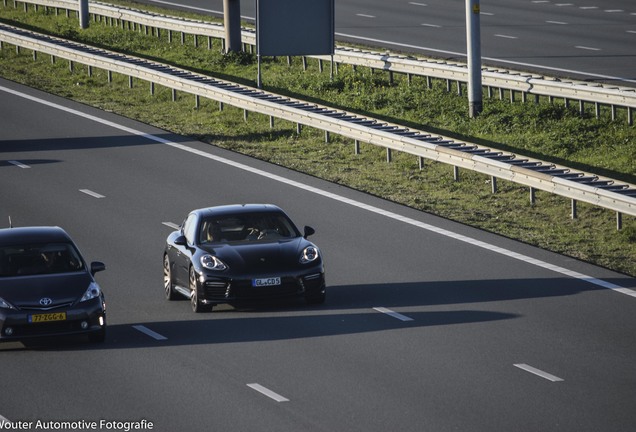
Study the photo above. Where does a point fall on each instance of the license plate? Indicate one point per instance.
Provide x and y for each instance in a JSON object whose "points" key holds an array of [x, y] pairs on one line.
{"points": [[266, 282], [47, 317]]}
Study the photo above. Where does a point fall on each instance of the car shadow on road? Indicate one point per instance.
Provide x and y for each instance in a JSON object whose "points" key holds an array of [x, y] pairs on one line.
{"points": [[349, 310]]}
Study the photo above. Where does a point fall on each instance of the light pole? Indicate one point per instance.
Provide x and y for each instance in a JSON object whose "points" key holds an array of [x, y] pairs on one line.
{"points": [[473, 36]]}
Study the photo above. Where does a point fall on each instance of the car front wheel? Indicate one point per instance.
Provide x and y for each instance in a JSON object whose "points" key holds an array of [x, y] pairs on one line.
{"points": [[197, 305]]}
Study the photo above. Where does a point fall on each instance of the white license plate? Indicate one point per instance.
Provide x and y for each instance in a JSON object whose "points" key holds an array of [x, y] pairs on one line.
{"points": [[266, 282]]}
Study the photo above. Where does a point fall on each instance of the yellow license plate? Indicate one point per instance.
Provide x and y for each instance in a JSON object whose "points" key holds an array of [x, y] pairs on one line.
{"points": [[47, 317]]}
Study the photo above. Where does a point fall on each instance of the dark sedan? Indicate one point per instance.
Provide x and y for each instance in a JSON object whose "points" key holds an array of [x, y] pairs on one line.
{"points": [[46, 287], [235, 253]]}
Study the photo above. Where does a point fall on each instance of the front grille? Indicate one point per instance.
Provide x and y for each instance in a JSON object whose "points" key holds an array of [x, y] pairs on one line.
{"points": [[43, 308], [217, 290]]}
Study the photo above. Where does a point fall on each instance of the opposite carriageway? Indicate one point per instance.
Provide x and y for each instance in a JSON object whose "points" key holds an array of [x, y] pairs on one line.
{"points": [[536, 174]]}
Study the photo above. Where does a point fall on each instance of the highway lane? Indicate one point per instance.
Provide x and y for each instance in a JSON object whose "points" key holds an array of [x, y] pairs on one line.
{"points": [[481, 341], [585, 40]]}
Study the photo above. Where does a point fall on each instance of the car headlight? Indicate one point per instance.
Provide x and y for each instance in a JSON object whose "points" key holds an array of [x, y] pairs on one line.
{"points": [[310, 254], [211, 262], [93, 291], [5, 305]]}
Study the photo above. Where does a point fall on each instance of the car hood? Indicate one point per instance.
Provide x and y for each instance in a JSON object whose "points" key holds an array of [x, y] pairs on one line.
{"points": [[61, 289], [262, 256]]}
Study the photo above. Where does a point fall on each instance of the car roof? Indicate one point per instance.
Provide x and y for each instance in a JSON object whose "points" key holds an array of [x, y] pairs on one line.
{"points": [[33, 234], [237, 209]]}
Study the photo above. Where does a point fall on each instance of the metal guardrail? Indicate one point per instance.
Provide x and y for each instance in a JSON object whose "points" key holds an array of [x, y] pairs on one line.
{"points": [[512, 81], [560, 180]]}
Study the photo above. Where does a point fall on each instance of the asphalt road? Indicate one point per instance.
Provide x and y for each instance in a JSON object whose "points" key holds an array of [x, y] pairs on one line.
{"points": [[428, 325], [590, 40]]}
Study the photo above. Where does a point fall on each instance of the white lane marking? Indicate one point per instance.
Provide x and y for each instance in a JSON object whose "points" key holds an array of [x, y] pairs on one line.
{"points": [[149, 332], [339, 198], [267, 392], [631, 31], [555, 69], [365, 16], [564, 4], [587, 48], [393, 314], [19, 164], [432, 25], [418, 4], [91, 193], [588, 7], [171, 225], [538, 372], [613, 10], [506, 36], [556, 22]]}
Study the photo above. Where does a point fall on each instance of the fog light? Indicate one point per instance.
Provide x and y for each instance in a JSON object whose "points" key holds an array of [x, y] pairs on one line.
{"points": [[101, 321], [84, 325], [8, 331]]}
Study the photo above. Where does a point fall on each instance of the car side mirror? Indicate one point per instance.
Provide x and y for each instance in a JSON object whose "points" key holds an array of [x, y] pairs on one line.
{"points": [[309, 231], [181, 241], [97, 266]]}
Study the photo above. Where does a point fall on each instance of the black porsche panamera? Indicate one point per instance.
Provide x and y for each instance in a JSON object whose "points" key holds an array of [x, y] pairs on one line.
{"points": [[236, 253], [46, 287]]}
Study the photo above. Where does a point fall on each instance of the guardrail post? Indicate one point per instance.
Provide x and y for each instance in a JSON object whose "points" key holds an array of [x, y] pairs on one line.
{"points": [[197, 101], [532, 196], [493, 182], [630, 116], [326, 136], [389, 155], [356, 147], [110, 76], [245, 114], [152, 88], [299, 128], [130, 82], [597, 109], [574, 212], [271, 122], [174, 95], [455, 172], [619, 220], [421, 162]]}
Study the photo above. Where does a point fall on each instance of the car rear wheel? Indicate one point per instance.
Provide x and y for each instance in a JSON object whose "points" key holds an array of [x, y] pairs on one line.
{"points": [[197, 305], [168, 286]]}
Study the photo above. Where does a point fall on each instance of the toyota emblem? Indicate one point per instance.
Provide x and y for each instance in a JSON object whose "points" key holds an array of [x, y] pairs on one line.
{"points": [[46, 301]]}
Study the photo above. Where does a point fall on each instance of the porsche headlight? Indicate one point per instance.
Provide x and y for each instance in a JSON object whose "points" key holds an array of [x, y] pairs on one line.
{"points": [[5, 305], [310, 254], [211, 262], [93, 291]]}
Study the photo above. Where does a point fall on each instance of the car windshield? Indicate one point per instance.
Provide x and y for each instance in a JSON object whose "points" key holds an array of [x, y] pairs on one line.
{"points": [[38, 259], [246, 228]]}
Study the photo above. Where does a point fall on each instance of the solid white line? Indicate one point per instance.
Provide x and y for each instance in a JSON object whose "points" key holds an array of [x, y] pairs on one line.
{"points": [[149, 332], [393, 314], [171, 225], [587, 48], [538, 372], [267, 392], [19, 164], [91, 193], [330, 195]]}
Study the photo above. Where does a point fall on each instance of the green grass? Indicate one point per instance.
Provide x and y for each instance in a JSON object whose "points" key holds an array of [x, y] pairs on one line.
{"points": [[546, 131]]}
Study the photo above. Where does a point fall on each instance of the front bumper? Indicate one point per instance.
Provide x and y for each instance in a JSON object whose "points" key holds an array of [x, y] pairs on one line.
{"points": [[214, 289], [87, 318]]}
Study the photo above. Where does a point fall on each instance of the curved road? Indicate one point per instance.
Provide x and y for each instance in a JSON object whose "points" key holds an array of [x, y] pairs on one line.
{"points": [[428, 326], [591, 40]]}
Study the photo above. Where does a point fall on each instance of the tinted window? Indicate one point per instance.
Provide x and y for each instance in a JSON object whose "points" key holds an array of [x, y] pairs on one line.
{"points": [[41, 258], [247, 228]]}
